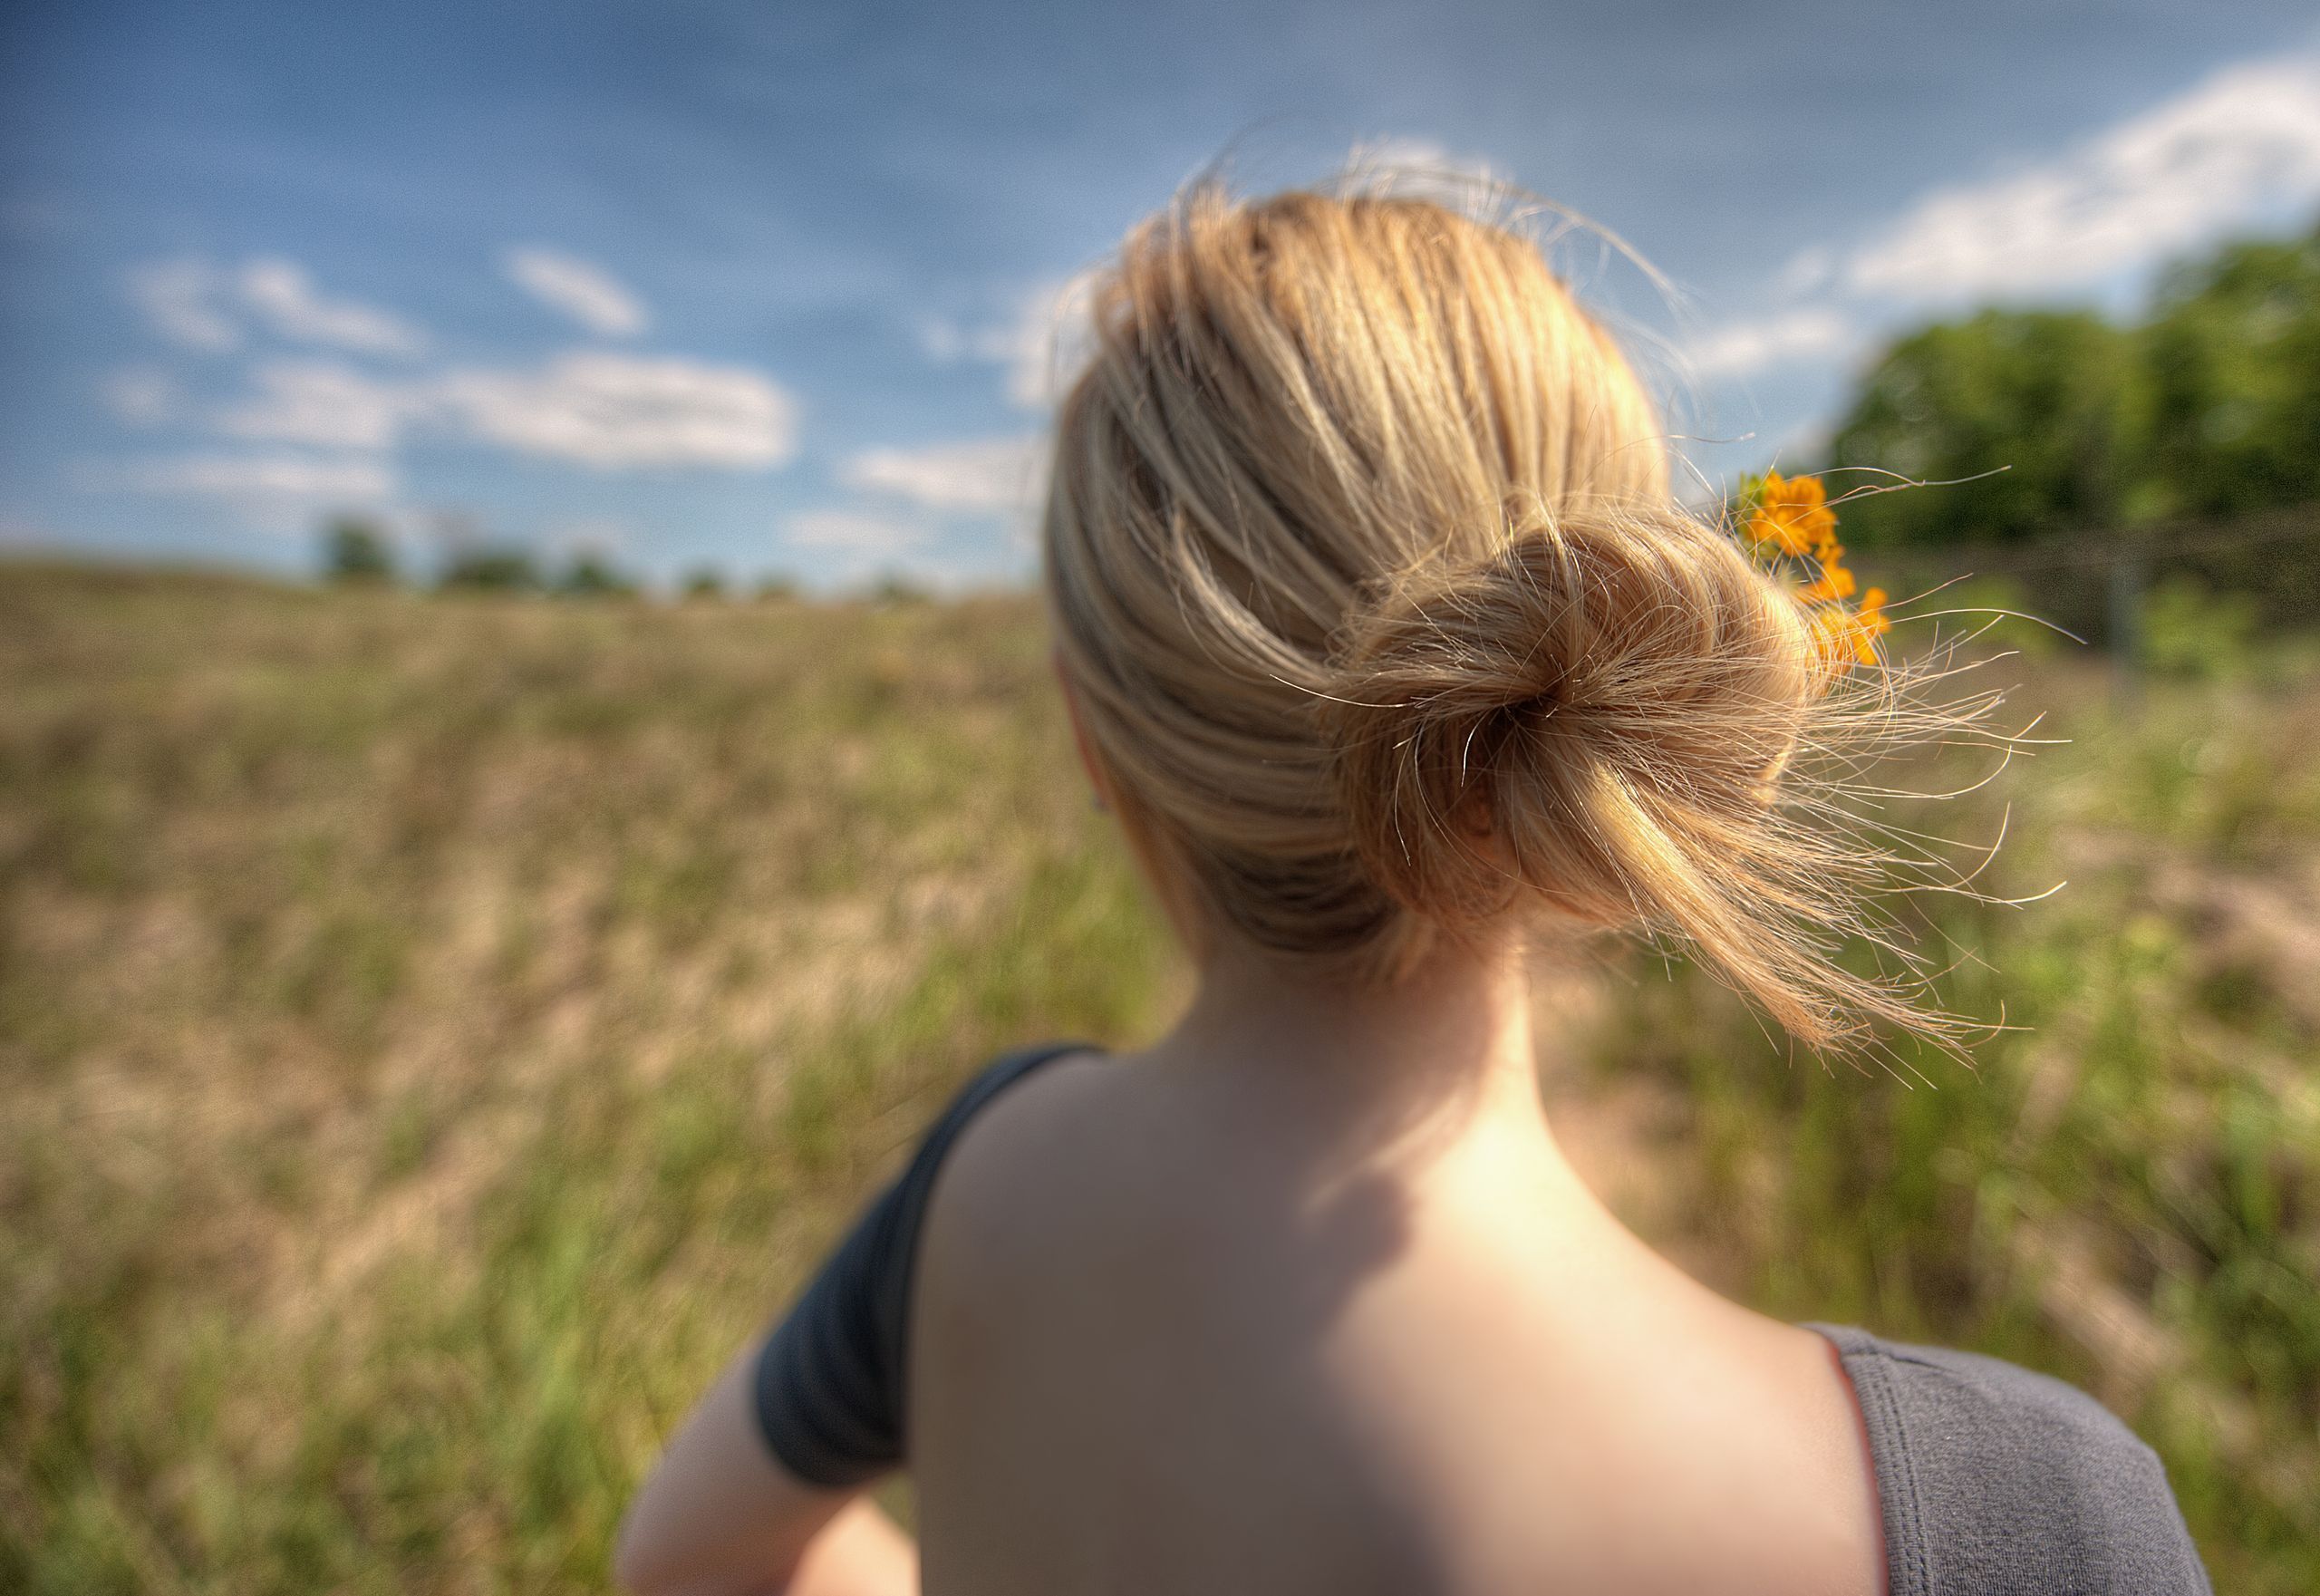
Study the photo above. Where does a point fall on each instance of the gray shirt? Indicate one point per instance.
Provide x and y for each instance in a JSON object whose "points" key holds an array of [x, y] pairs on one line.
{"points": [[1991, 1479]]}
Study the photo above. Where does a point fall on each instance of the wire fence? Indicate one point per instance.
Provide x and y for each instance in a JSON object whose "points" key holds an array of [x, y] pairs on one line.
{"points": [[2096, 583]]}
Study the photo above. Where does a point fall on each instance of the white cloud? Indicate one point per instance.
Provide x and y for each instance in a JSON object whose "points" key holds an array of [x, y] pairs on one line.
{"points": [[1744, 348], [1042, 343], [260, 477], [944, 340], [838, 549], [1428, 161], [281, 293], [588, 294], [322, 403], [180, 298], [854, 533], [2242, 145], [1808, 270], [200, 305], [992, 476], [611, 411], [607, 412], [142, 396]]}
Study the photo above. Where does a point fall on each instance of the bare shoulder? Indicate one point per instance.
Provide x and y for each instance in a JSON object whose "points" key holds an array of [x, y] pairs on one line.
{"points": [[1021, 1173]]}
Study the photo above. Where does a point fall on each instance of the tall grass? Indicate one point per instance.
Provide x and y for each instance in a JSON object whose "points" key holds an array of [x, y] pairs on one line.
{"points": [[434, 1033], [438, 1033], [2123, 1186]]}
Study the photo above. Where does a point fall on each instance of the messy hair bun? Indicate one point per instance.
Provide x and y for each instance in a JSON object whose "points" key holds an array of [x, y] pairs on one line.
{"points": [[1597, 715], [1384, 625]]}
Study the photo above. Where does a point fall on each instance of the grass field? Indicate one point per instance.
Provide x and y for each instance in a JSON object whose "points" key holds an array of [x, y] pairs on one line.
{"points": [[434, 1033]]}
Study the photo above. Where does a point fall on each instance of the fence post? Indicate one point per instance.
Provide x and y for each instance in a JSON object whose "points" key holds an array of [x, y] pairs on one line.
{"points": [[2126, 623]]}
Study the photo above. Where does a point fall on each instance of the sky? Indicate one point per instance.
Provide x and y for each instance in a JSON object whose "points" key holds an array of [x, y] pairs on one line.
{"points": [[773, 290]]}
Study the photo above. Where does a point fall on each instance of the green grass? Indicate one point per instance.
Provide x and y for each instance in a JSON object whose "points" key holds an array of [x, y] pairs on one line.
{"points": [[2124, 1187], [436, 1032]]}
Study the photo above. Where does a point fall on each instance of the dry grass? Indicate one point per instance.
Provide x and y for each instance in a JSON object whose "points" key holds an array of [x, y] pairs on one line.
{"points": [[2123, 1188], [435, 1032]]}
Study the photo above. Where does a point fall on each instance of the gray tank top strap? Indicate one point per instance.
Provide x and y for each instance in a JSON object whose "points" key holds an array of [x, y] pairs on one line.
{"points": [[1993, 1479], [829, 1381]]}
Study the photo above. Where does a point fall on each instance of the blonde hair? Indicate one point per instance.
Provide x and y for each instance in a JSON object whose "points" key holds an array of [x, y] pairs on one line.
{"points": [[1383, 622]]}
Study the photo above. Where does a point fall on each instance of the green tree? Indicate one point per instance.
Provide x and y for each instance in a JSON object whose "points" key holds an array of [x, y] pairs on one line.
{"points": [[705, 583], [2210, 407], [895, 588], [357, 550], [2231, 415], [2041, 398], [495, 569], [592, 576]]}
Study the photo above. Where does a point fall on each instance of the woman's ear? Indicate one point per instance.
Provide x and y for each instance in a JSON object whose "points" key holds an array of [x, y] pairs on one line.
{"points": [[1087, 761]]}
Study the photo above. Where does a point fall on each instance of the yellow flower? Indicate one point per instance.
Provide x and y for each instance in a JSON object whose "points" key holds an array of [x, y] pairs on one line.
{"points": [[1871, 613], [1835, 583], [1792, 514], [1849, 637]]}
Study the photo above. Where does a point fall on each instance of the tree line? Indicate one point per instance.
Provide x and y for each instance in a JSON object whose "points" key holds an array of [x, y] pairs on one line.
{"points": [[357, 551], [2208, 408]]}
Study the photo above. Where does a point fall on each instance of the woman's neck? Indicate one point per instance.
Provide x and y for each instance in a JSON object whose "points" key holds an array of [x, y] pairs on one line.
{"points": [[1421, 1060]]}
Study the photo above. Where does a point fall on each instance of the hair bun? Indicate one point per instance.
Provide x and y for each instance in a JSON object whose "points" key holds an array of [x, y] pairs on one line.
{"points": [[1594, 714]]}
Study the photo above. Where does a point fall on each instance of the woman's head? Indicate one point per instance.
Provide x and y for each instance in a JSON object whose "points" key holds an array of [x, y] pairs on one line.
{"points": [[1383, 625]]}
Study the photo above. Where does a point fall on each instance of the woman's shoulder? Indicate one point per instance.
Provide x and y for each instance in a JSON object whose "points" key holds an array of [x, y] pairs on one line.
{"points": [[1997, 1477], [1004, 1077], [1005, 1149], [830, 1378]]}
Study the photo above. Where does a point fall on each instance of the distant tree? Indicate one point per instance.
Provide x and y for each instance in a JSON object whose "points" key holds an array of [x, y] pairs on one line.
{"points": [[2231, 419], [591, 575], [705, 583], [2042, 398], [357, 550], [485, 568], [2210, 407], [894, 588], [777, 587]]}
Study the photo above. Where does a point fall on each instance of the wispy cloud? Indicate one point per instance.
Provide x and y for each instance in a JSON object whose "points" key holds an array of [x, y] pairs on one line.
{"points": [[613, 412], [853, 532], [282, 295], [200, 305], [264, 476], [586, 293], [1786, 338], [607, 412], [1041, 343], [2237, 149], [1427, 160], [2243, 143], [142, 396], [321, 403], [992, 476], [180, 300]]}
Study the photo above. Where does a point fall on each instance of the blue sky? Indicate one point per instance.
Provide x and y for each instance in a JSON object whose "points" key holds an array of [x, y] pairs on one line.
{"points": [[767, 287]]}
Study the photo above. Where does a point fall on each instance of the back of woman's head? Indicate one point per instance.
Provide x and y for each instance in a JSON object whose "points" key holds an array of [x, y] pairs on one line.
{"points": [[1383, 624]]}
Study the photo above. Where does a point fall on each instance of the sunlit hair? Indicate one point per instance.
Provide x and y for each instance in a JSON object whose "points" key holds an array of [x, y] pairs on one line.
{"points": [[1383, 622]]}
